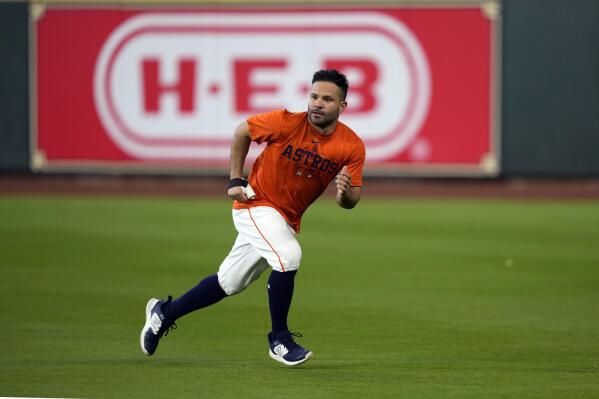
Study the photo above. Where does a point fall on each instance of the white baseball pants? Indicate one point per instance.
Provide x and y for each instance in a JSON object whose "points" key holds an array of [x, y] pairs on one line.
{"points": [[265, 239]]}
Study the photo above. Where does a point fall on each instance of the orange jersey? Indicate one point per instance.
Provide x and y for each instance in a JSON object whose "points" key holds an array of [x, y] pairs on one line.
{"points": [[298, 162]]}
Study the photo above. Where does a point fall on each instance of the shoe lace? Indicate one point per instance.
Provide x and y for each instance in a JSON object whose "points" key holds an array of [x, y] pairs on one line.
{"points": [[173, 326], [170, 325], [289, 339]]}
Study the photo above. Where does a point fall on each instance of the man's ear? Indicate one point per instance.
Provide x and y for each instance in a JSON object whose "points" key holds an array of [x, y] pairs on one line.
{"points": [[342, 106]]}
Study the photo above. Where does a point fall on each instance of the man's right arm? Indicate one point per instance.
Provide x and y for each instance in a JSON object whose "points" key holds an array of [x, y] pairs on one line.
{"points": [[239, 150]]}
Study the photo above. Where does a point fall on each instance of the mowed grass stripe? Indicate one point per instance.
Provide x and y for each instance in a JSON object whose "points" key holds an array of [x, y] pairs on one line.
{"points": [[421, 299]]}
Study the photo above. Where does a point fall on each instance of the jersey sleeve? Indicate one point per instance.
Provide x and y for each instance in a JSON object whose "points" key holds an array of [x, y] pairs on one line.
{"points": [[266, 127], [356, 164]]}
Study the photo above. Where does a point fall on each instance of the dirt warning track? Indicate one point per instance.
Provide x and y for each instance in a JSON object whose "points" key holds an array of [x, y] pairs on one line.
{"points": [[215, 187]]}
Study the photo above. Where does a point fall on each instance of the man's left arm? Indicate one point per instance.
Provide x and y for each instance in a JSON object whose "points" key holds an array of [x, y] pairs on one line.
{"points": [[347, 196]]}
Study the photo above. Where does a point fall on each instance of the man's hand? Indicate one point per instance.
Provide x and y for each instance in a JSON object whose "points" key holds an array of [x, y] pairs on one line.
{"points": [[347, 196], [343, 181], [236, 193]]}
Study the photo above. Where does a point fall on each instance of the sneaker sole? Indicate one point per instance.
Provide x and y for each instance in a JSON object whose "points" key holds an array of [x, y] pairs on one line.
{"points": [[149, 307], [288, 363]]}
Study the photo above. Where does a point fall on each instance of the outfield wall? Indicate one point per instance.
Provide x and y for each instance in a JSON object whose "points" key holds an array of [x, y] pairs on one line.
{"points": [[512, 86]]}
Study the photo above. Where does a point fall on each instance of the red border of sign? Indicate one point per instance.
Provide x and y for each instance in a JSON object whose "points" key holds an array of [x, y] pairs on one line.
{"points": [[492, 168]]}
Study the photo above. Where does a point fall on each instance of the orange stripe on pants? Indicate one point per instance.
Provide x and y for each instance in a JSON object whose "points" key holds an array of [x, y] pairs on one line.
{"points": [[264, 238]]}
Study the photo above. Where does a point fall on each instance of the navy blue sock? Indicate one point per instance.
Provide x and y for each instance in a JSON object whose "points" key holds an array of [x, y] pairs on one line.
{"points": [[280, 292], [206, 293]]}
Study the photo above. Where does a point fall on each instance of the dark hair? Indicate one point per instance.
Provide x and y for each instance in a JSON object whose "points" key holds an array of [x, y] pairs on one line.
{"points": [[333, 76]]}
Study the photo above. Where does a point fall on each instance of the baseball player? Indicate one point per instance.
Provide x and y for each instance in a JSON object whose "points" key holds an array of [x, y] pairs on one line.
{"points": [[305, 151]]}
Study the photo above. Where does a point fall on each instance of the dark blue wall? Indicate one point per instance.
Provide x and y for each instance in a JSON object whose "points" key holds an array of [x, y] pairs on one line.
{"points": [[14, 87], [550, 88]]}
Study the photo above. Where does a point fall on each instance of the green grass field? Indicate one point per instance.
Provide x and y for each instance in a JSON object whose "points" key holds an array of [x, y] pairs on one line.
{"points": [[412, 299]]}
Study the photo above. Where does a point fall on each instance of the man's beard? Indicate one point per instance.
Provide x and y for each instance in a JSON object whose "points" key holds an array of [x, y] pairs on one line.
{"points": [[324, 120]]}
